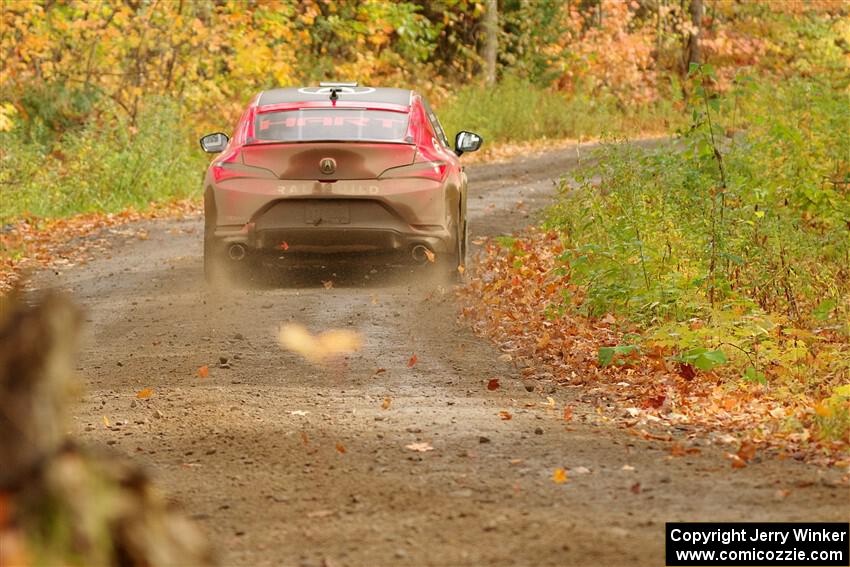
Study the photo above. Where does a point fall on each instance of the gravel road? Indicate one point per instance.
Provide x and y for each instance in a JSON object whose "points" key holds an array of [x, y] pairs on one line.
{"points": [[283, 463]]}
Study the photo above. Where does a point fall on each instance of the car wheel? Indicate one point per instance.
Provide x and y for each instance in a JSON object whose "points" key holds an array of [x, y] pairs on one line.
{"points": [[454, 272], [212, 259]]}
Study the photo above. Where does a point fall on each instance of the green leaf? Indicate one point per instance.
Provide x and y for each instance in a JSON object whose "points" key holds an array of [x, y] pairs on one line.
{"points": [[606, 356], [753, 375], [823, 309]]}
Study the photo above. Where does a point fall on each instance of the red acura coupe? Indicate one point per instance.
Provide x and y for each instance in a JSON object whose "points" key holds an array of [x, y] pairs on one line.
{"points": [[334, 174]]}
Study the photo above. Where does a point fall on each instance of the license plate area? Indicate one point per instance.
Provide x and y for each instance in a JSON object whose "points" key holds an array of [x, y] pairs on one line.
{"points": [[326, 212]]}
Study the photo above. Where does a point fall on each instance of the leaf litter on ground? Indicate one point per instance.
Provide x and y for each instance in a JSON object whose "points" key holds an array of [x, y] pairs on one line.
{"points": [[510, 301]]}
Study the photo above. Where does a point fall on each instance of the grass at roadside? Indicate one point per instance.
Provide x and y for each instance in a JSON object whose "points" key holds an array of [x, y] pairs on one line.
{"points": [[708, 275]]}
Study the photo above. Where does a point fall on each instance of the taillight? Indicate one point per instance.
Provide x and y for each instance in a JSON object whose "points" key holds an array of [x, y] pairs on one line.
{"points": [[221, 169], [434, 170], [222, 172], [229, 167]]}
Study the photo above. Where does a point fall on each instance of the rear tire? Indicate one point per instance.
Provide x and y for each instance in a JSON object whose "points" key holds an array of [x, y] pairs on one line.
{"points": [[456, 263], [213, 261]]}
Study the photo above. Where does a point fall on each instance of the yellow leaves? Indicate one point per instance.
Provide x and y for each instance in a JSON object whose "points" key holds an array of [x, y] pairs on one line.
{"points": [[823, 409], [559, 476], [106, 422], [431, 256], [144, 394], [321, 348], [386, 403], [7, 115]]}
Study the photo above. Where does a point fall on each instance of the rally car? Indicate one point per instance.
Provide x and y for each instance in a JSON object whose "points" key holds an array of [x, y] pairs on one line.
{"points": [[334, 174]]}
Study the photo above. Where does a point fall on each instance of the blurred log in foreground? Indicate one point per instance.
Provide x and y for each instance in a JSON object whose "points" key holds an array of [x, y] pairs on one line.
{"points": [[60, 505]]}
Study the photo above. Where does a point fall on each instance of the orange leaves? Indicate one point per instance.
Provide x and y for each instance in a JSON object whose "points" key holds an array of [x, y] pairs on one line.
{"points": [[320, 348], [559, 476], [678, 450], [568, 413], [37, 242], [203, 371], [505, 415], [386, 403], [340, 448], [412, 361], [745, 454], [144, 394]]}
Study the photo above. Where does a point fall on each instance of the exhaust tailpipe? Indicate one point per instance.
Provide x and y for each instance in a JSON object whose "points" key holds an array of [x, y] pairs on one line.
{"points": [[419, 253], [237, 252]]}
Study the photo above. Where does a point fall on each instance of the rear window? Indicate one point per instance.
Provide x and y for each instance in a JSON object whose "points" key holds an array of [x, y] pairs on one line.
{"points": [[331, 124]]}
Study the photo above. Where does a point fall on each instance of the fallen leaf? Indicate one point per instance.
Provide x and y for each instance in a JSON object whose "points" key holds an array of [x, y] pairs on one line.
{"points": [[505, 415], [635, 488], [461, 269], [379, 371], [627, 468], [687, 371], [747, 451], [340, 448], [516, 461], [105, 421], [299, 412], [318, 348], [559, 476], [144, 394], [677, 450], [420, 447], [412, 361], [328, 284], [283, 246], [204, 371], [550, 401], [386, 404], [320, 514], [568, 413], [493, 384], [430, 255], [737, 462], [580, 470], [304, 438]]}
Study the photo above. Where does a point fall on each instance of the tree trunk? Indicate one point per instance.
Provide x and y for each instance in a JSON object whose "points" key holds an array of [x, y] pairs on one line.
{"points": [[692, 50], [491, 40]]}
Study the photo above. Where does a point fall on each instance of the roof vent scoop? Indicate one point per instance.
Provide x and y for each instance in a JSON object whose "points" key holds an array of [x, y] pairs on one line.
{"points": [[336, 88]]}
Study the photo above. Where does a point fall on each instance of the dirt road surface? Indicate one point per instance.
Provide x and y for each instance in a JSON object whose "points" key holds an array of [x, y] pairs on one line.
{"points": [[285, 464]]}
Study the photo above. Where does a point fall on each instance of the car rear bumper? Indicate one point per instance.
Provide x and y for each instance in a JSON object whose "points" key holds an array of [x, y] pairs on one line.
{"points": [[333, 231]]}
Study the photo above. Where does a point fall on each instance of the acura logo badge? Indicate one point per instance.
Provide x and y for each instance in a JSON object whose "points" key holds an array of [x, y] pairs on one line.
{"points": [[327, 165]]}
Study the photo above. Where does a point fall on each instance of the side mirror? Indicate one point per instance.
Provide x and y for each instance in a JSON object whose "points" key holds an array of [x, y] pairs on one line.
{"points": [[214, 143], [467, 142]]}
